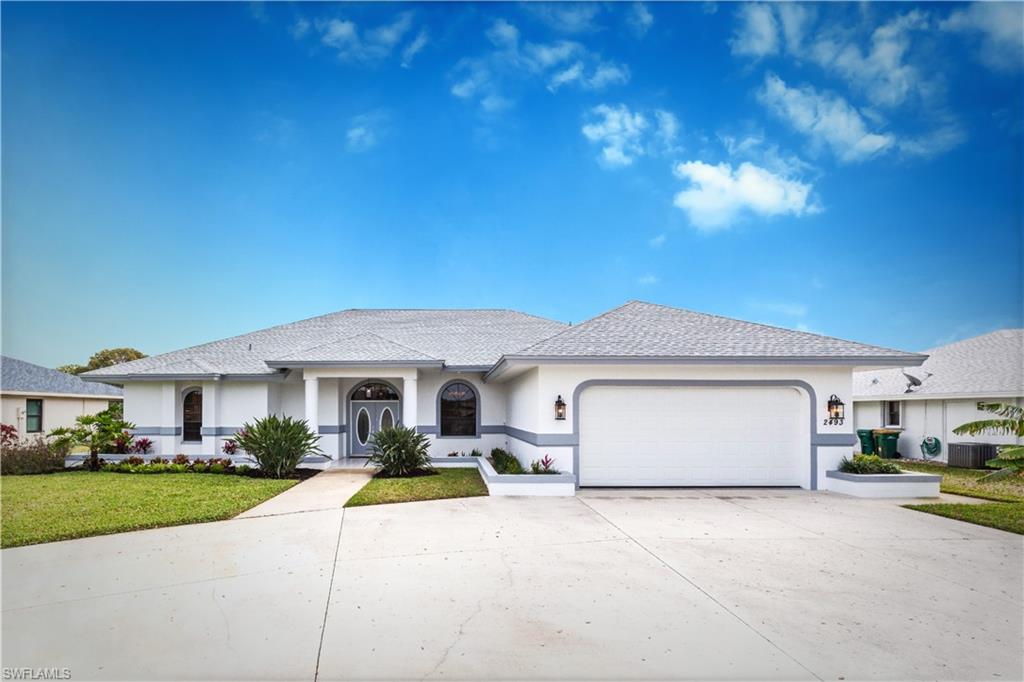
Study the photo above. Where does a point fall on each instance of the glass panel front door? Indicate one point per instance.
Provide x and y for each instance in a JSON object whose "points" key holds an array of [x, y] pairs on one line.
{"points": [[366, 418]]}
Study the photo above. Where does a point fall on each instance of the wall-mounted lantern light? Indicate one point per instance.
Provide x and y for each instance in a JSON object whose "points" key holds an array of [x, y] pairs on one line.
{"points": [[559, 408], [836, 411]]}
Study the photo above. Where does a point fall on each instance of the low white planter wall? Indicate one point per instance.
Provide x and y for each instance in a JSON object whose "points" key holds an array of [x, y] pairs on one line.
{"points": [[559, 485], [883, 485]]}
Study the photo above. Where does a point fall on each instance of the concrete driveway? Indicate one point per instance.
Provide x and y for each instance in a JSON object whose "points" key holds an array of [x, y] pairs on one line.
{"points": [[720, 584]]}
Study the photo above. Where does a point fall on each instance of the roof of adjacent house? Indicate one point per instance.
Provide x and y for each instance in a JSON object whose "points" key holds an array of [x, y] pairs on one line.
{"points": [[638, 329], [24, 377], [481, 339], [990, 365]]}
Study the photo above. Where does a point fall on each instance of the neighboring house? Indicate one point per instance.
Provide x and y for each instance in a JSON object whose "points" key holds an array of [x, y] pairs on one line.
{"points": [[38, 399], [643, 395], [954, 379]]}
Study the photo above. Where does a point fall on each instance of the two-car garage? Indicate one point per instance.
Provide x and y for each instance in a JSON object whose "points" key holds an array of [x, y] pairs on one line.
{"points": [[661, 435]]}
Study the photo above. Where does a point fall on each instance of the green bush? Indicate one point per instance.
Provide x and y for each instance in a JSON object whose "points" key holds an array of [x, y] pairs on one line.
{"points": [[868, 464], [177, 468], [278, 444], [505, 462], [399, 452], [32, 457], [476, 453], [217, 468]]}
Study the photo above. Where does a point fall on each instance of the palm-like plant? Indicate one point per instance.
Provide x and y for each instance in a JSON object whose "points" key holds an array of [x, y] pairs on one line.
{"points": [[99, 432], [1010, 422], [400, 451], [278, 444]]}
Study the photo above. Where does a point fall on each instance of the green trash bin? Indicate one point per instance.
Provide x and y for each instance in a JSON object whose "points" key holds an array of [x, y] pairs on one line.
{"points": [[886, 442], [867, 442]]}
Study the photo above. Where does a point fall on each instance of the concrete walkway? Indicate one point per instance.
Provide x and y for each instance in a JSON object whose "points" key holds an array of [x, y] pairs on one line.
{"points": [[330, 489], [684, 584]]}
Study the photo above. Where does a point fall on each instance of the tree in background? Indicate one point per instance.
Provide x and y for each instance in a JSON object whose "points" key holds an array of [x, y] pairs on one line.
{"points": [[104, 358]]}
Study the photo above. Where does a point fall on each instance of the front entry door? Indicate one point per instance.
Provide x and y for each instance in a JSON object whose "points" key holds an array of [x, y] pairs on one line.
{"points": [[367, 418]]}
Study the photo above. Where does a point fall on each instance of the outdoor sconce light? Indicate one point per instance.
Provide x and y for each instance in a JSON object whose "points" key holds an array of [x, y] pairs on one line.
{"points": [[836, 411], [559, 408]]}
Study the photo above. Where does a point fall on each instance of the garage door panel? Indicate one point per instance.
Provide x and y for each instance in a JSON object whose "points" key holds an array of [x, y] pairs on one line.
{"points": [[646, 436]]}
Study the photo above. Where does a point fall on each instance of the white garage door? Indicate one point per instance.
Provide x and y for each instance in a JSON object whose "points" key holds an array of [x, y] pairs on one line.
{"points": [[683, 436]]}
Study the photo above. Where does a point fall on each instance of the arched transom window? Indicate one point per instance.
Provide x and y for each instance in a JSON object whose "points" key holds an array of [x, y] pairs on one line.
{"points": [[192, 416], [458, 410], [375, 391]]}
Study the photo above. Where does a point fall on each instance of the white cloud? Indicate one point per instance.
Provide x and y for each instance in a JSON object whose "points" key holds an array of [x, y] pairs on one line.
{"points": [[300, 28], [503, 34], [648, 279], [414, 48], [565, 16], [640, 19], [657, 241], [559, 64], [999, 27], [668, 129], [793, 19], [619, 132], [717, 196], [826, 118], [757, 34], [373, 44], [365, 131]]}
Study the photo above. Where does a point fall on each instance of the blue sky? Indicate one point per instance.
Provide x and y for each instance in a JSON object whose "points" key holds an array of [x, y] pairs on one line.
{"points": [[178, 173]]}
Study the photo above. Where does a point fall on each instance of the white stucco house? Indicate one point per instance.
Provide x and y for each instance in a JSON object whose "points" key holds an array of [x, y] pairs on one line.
{"points": [[953, 380], [642, 395], [36, 399]]}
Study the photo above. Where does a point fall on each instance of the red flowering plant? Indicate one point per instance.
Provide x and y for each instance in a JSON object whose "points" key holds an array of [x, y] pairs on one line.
{"points": [[8, 436], [123, 444], [543, 466], [142, 446], [230, 447]]}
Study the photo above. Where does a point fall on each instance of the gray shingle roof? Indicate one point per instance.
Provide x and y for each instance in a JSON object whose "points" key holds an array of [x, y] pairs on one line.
{"points": [[647, 330], [480, 338], [460, 338], [987, 365], [18, 375]]}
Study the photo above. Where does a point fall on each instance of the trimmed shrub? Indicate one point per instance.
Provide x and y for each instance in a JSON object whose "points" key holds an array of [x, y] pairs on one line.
{"points": [[400, 451], [505, 462], [868, 464], [32, 457], [278, 444]]}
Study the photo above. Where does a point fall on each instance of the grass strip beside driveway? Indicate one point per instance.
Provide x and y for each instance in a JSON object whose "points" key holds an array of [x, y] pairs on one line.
{"points": [[1008, 493], [446, 484], [66, 505]]}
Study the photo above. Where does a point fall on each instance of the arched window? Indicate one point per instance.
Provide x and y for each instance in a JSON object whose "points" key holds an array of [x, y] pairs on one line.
{"points": [[374, 391], [192, 416], [458, 410]]}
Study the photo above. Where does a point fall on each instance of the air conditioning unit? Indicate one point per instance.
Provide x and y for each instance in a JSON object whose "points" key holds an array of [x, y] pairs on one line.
{"points": [[970, 455]]}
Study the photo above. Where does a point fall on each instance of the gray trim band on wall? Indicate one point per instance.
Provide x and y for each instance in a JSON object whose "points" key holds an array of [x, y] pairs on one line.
{"points": [[220, 430], [156, 431], [709, 383], [542, 439], [332, 429]]}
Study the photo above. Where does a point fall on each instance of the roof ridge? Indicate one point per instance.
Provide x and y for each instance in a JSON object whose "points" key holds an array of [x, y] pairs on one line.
{"points": [[573, 327]]}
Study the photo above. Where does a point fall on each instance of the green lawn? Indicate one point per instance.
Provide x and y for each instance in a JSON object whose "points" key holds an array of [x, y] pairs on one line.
{"points": [[1007, 513], [61, 506], [446, 484]]}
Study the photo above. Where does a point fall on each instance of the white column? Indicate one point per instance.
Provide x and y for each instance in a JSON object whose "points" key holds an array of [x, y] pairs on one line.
{"points": [[211, 417], [409, 403], [313, 405], [168, 419]]}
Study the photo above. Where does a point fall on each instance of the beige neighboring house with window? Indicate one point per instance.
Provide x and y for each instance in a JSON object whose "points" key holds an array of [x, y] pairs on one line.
{"points": [[953, 380], [37, 399]]}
